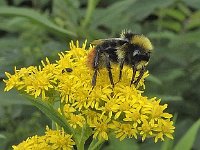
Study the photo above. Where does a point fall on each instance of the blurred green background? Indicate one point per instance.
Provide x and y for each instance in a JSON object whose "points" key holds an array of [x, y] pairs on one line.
{"points": [[31, 30]]}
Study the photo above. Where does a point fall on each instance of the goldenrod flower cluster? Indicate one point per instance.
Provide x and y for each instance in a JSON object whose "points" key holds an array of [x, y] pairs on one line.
{"points": [[52, 140], [122, 110]]}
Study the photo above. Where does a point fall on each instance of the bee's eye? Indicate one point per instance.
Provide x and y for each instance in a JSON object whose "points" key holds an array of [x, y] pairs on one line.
{"points": [[136, 52]]}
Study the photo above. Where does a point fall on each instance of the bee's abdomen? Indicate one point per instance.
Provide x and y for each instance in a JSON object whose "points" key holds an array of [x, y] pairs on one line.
{"points": [[90, 58], [109, 48], [105, 49], [113, 55]]}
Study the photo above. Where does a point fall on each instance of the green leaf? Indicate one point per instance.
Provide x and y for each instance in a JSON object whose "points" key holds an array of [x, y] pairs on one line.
{"points": [[2, 136], [36, 17], [161, 35], [186, 38], [143, 8], [95, 144], [67, 13], [112, 12], [86, 132], [2, 3], [169, 98], [128, 9], [193, 21], [15, 24], [174, 74], [11, 98], [154, 79], [183, 8], [176, 14], [126, 144], [172, 25], [186, 142], [193, 3], [90, 8], [50, 112]]}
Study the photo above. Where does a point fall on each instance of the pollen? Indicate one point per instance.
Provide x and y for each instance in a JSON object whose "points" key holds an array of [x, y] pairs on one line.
{"points": [[142, 41]]}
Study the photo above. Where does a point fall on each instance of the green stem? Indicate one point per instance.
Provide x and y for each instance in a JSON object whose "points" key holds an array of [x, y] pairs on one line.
{"points": [[78, 142], [95, 144], [81, 143], [80, 147], [90, 8], [53, 114], [53, 123]]}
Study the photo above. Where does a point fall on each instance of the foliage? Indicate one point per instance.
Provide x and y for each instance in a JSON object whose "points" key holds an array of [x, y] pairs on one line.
{"points": [[173, 26]]}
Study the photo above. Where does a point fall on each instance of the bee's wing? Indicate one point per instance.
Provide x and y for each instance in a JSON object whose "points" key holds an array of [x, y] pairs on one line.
{"points": [[122, 47], [99, 41], [96, 42]]}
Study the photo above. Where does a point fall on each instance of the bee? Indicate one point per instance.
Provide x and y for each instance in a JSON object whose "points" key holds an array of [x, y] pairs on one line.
{"points": [[129, 49]]}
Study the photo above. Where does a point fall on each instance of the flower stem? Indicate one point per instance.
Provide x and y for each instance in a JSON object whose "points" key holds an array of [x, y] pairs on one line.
{"points": [[80, 147], [82, 140], [95, 144], [90, 8]]}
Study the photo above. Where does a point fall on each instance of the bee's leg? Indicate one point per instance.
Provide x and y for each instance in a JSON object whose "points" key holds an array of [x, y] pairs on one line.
{"points": [[121, 65], [96, 64], [94, 78], [133, 75], [108, 66], [140, 76]]}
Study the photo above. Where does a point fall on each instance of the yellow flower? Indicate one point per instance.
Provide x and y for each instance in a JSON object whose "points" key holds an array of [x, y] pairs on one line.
{"points": [[123, 130], [33, 143], [146, 129], [32, 80], [90, 115], [49, 68], [76, 120], [123, 110], [157, 110], [16, 80], [68, 109], [100, 126], [165, 127], [135, 116], [110, 106], [52, 140], [58, 139], [13, 81], [38, 83]]}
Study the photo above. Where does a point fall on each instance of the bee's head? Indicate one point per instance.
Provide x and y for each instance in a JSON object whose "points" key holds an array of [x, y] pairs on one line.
{"points": [[142, 42], [138, 40], [139, 57]]}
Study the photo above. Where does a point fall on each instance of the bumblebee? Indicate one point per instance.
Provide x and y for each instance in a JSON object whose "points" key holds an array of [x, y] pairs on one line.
{"points": [[129, 49]]}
